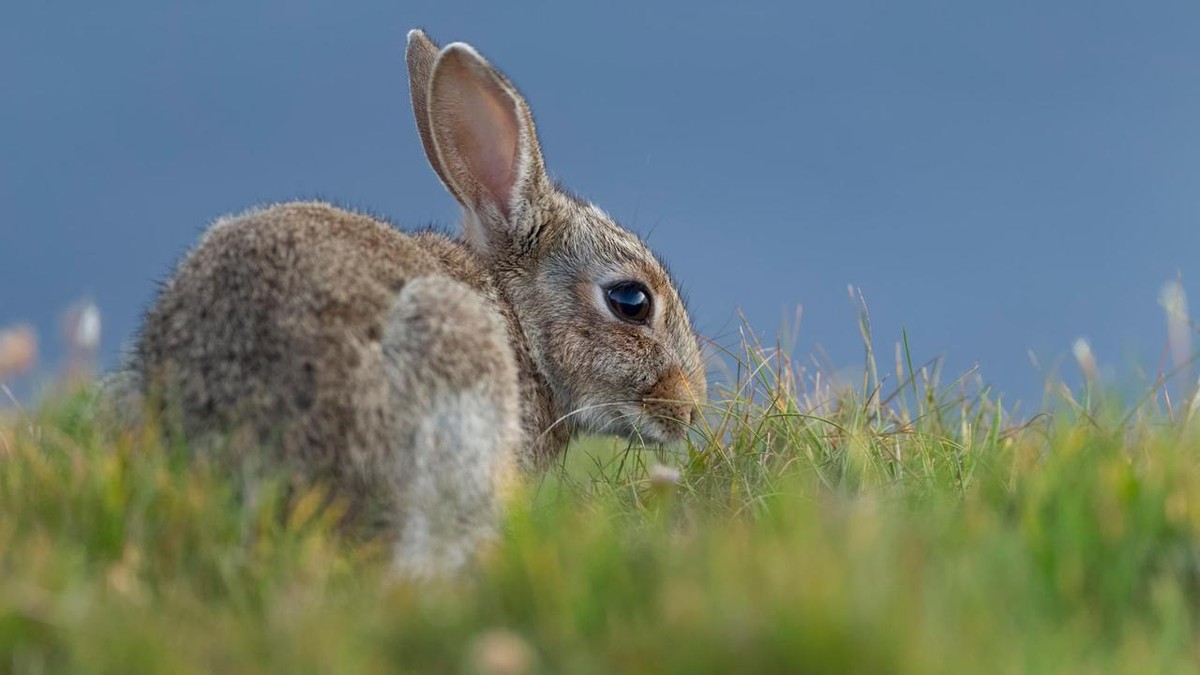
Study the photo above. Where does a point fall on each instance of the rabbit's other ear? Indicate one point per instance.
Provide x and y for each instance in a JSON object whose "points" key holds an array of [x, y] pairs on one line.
{"points": [[420, 57], [486, 143]]}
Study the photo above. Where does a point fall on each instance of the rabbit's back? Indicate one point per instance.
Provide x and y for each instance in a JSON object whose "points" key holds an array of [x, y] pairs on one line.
{"points": [[272, 326]]}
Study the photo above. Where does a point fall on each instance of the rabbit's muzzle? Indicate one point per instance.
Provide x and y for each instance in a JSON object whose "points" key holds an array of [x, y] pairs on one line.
{"points": [[671, 404]]}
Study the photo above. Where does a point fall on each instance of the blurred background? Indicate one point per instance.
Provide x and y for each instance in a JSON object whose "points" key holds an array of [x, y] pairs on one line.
{"points": [[998, 179]]}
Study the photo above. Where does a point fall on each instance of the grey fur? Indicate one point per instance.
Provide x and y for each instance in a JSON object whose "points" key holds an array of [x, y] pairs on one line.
{"points": [[418, 369]]}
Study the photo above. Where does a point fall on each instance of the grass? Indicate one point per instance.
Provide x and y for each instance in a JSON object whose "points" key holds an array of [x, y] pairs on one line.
{"points": [[903, 524]]}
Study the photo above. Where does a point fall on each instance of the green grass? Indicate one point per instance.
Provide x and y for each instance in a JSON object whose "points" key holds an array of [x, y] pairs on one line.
{"points": [[898, 525]]}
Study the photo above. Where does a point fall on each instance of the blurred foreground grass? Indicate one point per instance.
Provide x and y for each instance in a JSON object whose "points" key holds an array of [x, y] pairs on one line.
{"points": [[900, 525]]}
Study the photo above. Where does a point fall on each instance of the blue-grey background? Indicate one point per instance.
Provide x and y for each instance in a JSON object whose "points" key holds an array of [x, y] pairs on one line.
{"points": [[997, 177]]}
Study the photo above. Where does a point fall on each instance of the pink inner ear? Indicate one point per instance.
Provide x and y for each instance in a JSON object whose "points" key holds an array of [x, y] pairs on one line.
{"points": [[486, 135]]}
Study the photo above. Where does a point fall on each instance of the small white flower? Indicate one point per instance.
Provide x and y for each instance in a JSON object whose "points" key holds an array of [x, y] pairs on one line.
{"points": [[87, 327], [501, 652], [660, 474], [1087, 360], [1179, 334]]}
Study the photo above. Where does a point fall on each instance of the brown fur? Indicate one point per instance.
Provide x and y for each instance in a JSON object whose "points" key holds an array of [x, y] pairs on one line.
{"points": [[420, 368]]}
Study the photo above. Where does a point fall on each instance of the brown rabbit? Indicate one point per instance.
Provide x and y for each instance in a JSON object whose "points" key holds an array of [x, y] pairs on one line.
{"points": [[418, 369]]}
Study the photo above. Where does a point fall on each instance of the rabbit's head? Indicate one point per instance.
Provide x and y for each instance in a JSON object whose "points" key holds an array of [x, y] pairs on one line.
{"points": [[604, 322]]}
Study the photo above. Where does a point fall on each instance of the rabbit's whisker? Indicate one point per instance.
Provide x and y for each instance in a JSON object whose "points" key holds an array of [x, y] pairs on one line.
{"points": [[579, 411]]}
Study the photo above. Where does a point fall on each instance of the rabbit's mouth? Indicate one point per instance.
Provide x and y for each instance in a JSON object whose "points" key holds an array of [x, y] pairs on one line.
{"points": [[668, 408], [666, 420]]}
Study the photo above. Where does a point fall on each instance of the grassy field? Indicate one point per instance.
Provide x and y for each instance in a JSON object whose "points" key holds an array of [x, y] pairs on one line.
{"points": [[900, 524]]}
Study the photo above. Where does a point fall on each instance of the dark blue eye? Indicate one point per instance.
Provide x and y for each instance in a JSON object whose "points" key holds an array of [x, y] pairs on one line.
{"points": [[629, 301]]}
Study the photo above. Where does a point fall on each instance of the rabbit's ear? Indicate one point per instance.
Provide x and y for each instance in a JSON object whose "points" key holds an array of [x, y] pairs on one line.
{"points": [[486, 143], [420, 56]]}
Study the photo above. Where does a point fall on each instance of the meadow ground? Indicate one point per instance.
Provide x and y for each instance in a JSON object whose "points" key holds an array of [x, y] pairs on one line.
{"points": [[901, 524]]}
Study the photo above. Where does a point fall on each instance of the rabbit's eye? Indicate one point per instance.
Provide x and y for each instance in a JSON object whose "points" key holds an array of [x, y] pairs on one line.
{"points": [[629, 301]]}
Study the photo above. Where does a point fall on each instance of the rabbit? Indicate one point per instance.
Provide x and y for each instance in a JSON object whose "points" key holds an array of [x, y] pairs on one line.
{"points": [[420, 372]]}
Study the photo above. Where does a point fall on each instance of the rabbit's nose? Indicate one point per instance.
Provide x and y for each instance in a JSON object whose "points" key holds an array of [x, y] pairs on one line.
{"points": [[671, 397]]}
